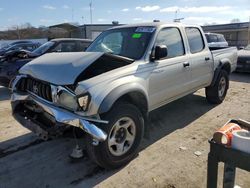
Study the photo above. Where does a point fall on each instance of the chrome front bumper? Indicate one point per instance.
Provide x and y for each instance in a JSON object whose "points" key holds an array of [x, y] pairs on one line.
{"points": [[64, 116]]}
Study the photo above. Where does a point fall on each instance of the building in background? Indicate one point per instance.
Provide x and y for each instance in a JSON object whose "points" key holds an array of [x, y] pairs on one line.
{"points": [[236, 34], [87, 31]]}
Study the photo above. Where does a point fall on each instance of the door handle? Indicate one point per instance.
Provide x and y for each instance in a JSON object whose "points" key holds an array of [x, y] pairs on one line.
{"points": [[207, 58], [186, 64], [158, 71]]}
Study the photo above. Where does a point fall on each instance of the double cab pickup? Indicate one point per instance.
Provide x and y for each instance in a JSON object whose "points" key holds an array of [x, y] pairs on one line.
{"points": [[109, 90]]}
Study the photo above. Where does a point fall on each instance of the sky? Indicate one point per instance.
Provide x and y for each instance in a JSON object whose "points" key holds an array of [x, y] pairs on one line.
{"points": [[45, 12]]}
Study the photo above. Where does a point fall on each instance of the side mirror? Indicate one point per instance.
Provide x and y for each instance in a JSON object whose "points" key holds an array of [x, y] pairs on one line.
{"points": [[161, 51]]}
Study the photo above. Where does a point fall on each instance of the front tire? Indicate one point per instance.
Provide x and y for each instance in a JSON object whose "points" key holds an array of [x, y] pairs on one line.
{"points": [[216, 94], [125, 131]]}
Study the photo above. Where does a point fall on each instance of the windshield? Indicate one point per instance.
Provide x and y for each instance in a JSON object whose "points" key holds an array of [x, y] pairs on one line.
{"points": [[42, 49], [247, 47], [128, 42], [12, 47], [215, 38], [5, 47]]}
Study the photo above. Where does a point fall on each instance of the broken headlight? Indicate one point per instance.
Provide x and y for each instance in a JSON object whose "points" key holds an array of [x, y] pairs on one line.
{"points": [[67, 100], [84, 101]]}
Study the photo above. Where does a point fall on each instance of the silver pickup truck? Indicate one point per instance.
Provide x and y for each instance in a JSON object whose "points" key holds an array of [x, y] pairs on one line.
{"points": [[108, 91]]}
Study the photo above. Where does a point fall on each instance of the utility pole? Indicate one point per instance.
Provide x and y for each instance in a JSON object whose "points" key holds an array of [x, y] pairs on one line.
{"points": [[248, 40], [90, 9], [82, 20], [72, 15]]}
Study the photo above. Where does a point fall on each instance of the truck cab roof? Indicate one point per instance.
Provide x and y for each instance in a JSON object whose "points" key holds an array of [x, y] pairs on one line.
{"points": [[155, 24]]}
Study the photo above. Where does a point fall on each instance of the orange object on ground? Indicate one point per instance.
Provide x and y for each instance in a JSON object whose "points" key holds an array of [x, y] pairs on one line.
{"points": [[224, 134]]}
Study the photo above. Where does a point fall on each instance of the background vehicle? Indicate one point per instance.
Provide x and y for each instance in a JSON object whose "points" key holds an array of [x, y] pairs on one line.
{"points": [[109, 90], [216, 40], [26, 45], [243, 63], [12, 61], [14, 43]]}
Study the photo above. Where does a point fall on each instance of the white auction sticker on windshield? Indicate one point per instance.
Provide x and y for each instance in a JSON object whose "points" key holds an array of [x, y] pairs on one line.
{"points": [[145, 29]]}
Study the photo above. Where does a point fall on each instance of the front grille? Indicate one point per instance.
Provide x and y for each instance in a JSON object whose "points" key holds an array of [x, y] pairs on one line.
{"points": [[37, 87]]}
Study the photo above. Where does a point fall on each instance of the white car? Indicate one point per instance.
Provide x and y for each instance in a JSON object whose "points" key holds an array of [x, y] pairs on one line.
{"points": [[216, 40]]}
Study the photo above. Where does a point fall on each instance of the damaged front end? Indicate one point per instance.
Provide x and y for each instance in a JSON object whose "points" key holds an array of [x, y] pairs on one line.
{"points": [[36, 105]]}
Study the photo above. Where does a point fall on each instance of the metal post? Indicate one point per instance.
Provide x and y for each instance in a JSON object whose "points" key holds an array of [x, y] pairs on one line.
{"points": [[248, 40], [229, 176], [212, 171], [90, 7]]}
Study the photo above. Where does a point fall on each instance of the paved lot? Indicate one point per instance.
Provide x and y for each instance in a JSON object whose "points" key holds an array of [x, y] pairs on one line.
{"points": [[26, 161]]}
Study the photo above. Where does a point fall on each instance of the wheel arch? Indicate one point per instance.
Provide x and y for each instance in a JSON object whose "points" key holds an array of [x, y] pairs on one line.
{"points": [[132, 93], [223, 65]]}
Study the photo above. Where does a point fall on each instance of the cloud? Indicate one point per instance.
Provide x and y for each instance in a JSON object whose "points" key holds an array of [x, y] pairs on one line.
{"points": [[13, 19], [49, 7], [148, 8], [45, 20], [65, 7], [202, 20], [109, 11], [4, 28], [125, 10], [137, 19], [201, 9], [1, 9], [101, 20]]}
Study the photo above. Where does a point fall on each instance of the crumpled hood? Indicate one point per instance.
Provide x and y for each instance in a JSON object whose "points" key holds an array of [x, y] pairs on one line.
{"points": [[60, 68]]}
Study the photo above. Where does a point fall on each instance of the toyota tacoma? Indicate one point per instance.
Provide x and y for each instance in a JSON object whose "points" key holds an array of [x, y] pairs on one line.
{"points": [[109, 90]]}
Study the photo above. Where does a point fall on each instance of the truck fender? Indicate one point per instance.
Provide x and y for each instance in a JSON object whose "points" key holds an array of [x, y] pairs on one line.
{"points": [[120, 91], [224, 64]]}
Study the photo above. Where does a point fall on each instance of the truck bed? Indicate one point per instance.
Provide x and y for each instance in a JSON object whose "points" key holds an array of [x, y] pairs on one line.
{"points": [[221, 54]]}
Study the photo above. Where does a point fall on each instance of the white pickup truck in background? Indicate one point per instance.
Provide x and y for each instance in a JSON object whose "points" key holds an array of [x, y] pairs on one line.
{"points": [[109, 90], [216, 40]]}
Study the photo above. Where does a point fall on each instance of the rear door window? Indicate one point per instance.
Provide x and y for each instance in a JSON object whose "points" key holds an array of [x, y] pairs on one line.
{"points": [[195, 39]]}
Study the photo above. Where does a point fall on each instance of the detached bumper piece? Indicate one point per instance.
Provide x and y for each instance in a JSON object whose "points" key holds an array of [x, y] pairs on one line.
{"points": [[47, 120]]}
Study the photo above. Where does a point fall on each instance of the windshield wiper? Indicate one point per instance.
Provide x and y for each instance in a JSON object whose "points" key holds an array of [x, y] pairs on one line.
{"points": [[120, 56]]}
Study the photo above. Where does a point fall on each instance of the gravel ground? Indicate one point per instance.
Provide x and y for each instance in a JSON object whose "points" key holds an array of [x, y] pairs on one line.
{"points": [[26, 161]]}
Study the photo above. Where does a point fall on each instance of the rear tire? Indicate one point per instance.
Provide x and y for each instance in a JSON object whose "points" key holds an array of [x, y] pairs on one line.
{"points": [[125, 131], [216, 94]]}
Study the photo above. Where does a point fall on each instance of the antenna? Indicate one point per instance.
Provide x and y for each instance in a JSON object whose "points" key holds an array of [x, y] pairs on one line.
{"points": [[90, 9], [176, 19]]}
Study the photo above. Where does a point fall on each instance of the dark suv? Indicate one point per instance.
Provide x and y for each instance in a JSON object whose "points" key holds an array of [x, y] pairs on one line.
{"points": [[12, 61]]}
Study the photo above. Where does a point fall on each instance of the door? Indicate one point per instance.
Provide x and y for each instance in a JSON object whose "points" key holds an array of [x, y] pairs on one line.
{"points": [[170, 76], [200, 58]]}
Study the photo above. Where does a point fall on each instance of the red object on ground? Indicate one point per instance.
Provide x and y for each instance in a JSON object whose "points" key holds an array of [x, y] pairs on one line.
{"points": [[224, 134]]}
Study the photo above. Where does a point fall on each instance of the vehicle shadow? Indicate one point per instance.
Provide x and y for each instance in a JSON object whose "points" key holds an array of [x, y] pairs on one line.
{"points": [[174, 116], [240, 77], [4, 93], [47, 164]]}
